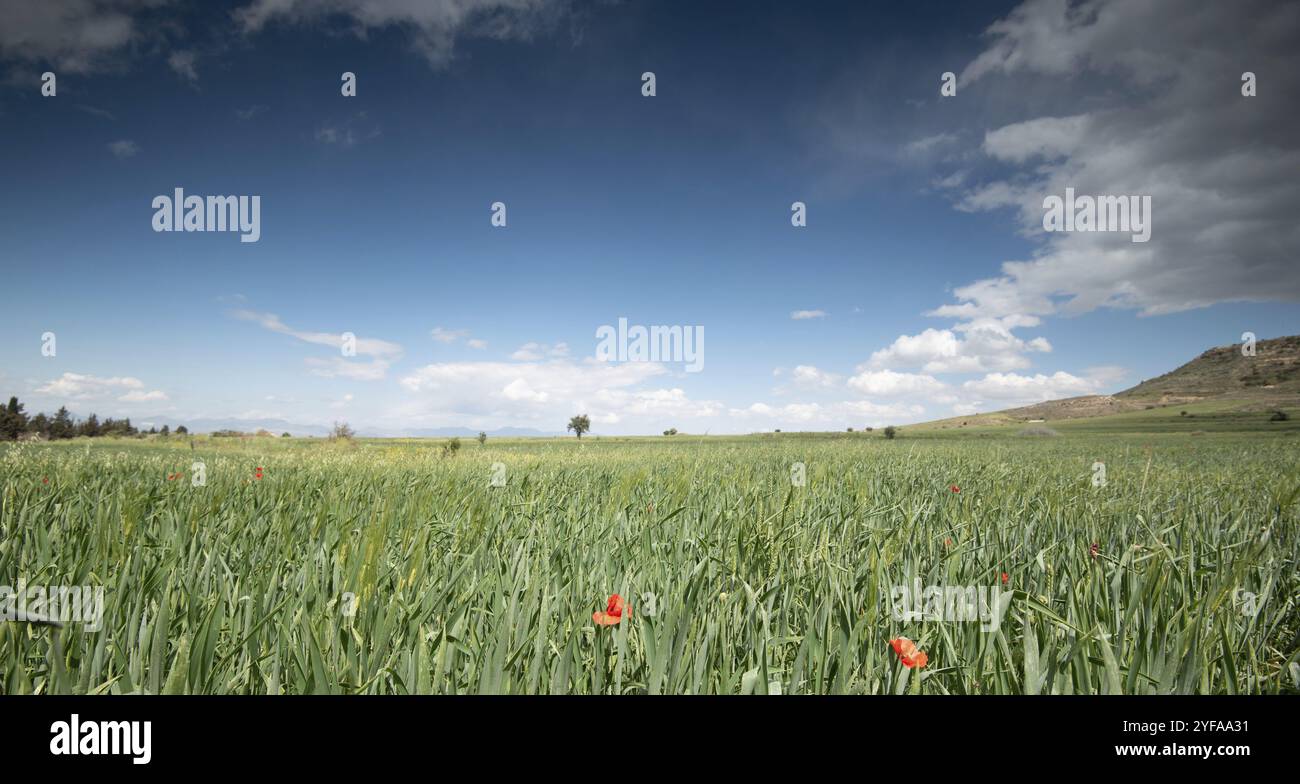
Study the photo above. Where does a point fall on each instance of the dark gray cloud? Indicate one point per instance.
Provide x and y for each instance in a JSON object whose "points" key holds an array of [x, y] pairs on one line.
{"points": [[434, 25], [1148, 101], [76, 36]]}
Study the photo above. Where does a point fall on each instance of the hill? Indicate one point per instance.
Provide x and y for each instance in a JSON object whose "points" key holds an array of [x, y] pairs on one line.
{"points": [[1220, 381]]}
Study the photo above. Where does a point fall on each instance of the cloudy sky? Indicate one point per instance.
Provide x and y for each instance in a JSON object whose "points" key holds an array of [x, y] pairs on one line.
{"points": [[922, 286]]}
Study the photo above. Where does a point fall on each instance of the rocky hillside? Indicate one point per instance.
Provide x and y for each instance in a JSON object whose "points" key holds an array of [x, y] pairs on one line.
{"points": [[1221, 375]]}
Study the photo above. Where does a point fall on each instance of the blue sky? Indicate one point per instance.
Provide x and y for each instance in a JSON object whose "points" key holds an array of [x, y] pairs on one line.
{"points": [[666, 210]]}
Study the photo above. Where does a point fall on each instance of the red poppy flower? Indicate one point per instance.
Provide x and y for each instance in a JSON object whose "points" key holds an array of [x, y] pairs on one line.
{"points": [[954, 488], [613, 613], [1094, 549], [1005, 578], [908, 653], [947, 542], [258, 473], [45, 480]]}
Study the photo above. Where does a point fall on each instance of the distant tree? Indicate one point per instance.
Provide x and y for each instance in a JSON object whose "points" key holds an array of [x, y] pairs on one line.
{"points": [[579, 424], [62, 425], [90, 427], [39, 424], [450, 448], [867, 429], [891, 431], [778, 430], [153, 431], [181, 430], [1279, 416], [342, 431], [482, 438], [285, 434], [12, 421], [166, 431], [672, 431], [117, 427], [850, 430]]}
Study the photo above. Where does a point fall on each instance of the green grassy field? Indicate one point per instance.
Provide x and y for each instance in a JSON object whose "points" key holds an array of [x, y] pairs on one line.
{"points": [[394, 567]]}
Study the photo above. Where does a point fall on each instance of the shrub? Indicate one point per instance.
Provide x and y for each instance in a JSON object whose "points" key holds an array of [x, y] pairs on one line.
{"points": [[891, 431], [1279, 416]]}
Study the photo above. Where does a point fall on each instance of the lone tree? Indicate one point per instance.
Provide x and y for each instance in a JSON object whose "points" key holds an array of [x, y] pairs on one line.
{"points": [[891, 431], [482, 438], [579, 425], [342, 431]]}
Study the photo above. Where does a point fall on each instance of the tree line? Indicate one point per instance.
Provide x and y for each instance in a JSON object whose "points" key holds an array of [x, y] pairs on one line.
{"points": [[16, 424]]}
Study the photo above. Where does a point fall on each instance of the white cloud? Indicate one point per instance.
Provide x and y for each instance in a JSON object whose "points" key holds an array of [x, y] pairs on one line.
{"points": [[802, 315], [77, 386], [354, 369], [835, 415], [928, 144], [123, 148], [449, 336], [182, 62], [532, 352], [888, 383], [1045, 137], [383, 353], [443, 335], [954, 180], [981, 345], [140, 396], [808, 376], [545, 394], [1035, 388]]}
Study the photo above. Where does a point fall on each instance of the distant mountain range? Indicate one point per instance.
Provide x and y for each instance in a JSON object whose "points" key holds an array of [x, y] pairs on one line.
{"points": [[278, 426]]}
